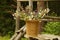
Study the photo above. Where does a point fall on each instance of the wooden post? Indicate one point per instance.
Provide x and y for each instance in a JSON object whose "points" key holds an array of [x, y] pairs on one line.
{"points": [[17, 17], [30, 6], [47, 6], [40, 5]]}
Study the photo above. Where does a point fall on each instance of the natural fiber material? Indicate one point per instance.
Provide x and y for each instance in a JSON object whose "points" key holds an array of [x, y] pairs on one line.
{"points": [[32, 28]]}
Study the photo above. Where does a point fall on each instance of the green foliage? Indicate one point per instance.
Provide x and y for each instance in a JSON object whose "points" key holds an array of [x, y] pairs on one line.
{"points": [[52, 28], [7, 23]]}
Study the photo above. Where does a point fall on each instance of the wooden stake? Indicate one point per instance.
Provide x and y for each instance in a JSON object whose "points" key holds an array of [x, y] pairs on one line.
{"points": [[17, 17], [18, 37], [38, 6], [30, 6], [13, 37]]}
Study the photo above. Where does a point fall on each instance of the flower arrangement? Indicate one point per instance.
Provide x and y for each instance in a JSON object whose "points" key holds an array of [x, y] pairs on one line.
{"points": [[33, 15]]}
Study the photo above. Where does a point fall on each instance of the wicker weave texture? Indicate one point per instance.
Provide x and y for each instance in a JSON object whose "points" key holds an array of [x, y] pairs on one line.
{"points": [[32, 28]]}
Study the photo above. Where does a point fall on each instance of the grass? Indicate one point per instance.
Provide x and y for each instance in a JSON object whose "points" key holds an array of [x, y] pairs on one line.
{"points": [[8, 37], [4, 37]]}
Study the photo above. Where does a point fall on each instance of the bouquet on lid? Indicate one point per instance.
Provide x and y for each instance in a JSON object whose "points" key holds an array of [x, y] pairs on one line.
{"points": [[33, 15]]}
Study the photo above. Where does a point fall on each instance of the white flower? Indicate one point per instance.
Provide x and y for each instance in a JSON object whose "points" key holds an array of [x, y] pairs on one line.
{"points": [[39, 13]]}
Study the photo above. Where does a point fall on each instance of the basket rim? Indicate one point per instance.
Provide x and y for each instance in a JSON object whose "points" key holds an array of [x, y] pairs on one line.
{"points": [[32, 20]]}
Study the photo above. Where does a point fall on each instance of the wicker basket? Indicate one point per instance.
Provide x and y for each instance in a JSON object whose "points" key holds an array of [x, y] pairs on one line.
{"points": [[32, 28]]}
